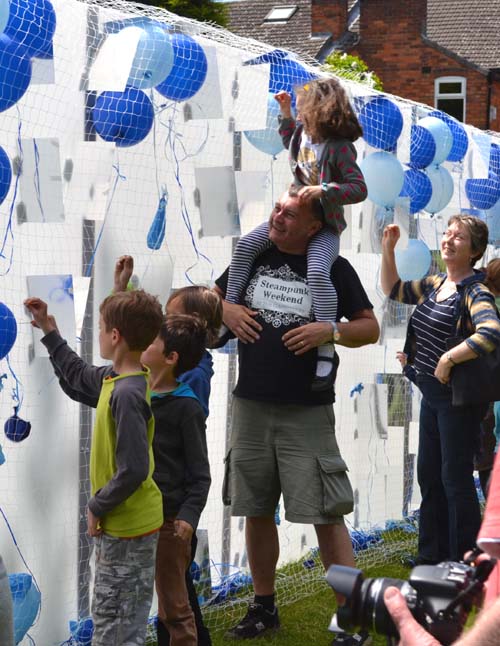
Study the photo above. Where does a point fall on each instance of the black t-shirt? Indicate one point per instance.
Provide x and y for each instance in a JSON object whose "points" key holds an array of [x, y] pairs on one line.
{"points": [[278, 290]]}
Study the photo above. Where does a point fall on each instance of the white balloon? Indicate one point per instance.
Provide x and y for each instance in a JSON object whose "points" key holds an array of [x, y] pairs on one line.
{"points": [[442, 188]]}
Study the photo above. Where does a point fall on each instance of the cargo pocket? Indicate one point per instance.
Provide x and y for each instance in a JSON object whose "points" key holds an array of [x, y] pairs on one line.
{"points": [[338, 499], [226, 484]]}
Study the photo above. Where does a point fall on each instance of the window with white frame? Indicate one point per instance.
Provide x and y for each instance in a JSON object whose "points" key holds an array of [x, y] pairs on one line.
{"points": [[281, 14], [449, 95]]}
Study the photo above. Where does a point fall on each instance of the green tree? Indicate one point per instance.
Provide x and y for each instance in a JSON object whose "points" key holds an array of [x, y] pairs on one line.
{"points": [[202, 10], [352, 68]]}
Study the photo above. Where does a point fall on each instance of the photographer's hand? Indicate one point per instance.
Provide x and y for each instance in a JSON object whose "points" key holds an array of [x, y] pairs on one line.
{"points": [[411, 633]]}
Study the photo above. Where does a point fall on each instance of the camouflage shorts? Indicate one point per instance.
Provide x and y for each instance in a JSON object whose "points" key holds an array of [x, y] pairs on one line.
{"points": [[123, 589]]}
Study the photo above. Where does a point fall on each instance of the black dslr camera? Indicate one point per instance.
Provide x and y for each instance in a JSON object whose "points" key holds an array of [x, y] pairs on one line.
{"points": [[440, 597]]}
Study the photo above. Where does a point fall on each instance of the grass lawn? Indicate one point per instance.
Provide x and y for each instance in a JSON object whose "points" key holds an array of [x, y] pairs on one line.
{"points": [[306, 622]]}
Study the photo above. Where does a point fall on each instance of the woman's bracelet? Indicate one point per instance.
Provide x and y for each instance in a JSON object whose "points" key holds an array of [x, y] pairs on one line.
{"points": [[448, 356]]}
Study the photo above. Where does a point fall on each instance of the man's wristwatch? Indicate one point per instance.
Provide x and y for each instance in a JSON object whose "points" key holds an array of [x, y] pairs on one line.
{"points": [[335, 332]]}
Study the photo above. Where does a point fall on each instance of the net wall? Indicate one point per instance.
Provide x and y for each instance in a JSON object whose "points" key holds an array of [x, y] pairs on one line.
{"points": [[125, 129]]}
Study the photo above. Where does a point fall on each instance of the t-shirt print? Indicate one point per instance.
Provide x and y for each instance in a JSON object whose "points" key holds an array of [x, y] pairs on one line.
{"points": [[281, 296]]}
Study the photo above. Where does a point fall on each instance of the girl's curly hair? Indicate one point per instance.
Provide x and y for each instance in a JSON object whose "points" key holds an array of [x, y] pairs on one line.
{"points": [[326, 112]]}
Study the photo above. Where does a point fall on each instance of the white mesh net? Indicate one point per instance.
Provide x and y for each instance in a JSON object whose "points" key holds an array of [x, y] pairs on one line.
{"points": [[112, 114]]}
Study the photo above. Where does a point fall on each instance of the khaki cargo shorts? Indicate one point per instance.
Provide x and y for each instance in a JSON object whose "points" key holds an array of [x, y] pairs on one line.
{"points": [[286, 449]]}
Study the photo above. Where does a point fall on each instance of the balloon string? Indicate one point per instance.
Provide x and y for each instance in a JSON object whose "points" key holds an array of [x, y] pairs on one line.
{"points": [[110, 201], [17, 392], [8, 228], [36, 179], [171, 140], [14, 540]]}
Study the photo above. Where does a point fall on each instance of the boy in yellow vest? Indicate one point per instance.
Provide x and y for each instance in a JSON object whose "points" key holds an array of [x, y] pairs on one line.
{"points": [[125, 511]]}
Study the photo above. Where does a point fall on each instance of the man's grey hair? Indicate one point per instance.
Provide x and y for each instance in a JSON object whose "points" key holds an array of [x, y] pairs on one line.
{"points": [[314, 205]]}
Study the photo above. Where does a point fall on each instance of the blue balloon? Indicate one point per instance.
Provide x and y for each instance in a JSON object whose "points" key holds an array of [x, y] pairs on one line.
{"points": [[32, 23], [492, 219], [422, 147], [153, 59], [15, 72], [384, 178], [460, 139], [8, 330], [442, 188], [26, 603], [442, 137], [114, 26], [382, 123], [82, 631], [285, 73], [5, 174], [483, 193], [16, 429], [4, 14], [494, 165], [189, 69], [123, 117], [417, 186], [414, 262], [268, 140], [156, 232]]}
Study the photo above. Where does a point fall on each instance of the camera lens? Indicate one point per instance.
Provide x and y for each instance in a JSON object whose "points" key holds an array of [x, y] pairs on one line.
{"points": [[364, 606], [373, 614]]}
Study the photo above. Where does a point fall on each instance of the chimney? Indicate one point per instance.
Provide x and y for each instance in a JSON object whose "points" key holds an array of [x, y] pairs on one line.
{"points": [[328, 17]]}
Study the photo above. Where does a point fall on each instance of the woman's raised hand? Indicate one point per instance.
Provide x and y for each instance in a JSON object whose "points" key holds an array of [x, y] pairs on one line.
{"points": [[390, 237]]}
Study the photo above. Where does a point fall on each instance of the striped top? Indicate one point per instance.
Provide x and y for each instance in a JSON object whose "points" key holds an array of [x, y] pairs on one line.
{"points": [[432, 323], [481, 320]]}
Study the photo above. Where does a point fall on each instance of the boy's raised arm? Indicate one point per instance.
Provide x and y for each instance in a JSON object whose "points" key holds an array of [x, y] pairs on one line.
{"points": [[75, 372]]}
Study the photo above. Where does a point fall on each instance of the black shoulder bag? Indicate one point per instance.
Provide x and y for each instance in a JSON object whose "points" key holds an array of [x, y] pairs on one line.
{"points": [[476, 381]]}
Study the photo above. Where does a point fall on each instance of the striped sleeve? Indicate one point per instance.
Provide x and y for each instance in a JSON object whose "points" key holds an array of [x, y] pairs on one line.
{"points": [[480, 304], [413, 292]]}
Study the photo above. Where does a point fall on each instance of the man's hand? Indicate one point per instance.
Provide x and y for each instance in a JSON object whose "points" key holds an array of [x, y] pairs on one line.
{"points": [[308, 193], [124, 269], [240, 320], [183, 530], [93, 527], [410, 632], [41, 317], [306, 337], [402, 357]]}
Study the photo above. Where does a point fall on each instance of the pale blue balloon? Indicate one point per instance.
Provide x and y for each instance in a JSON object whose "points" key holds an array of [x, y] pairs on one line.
{"points": [[384, 177], [268, 140], [153, 59], [413, 262], [442, 188], [492, 219], [26, 600], [442, 135], [4, 14]]}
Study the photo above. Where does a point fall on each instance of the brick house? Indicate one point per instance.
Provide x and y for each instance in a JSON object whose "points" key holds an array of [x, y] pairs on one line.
{"points": [[440, 52]]}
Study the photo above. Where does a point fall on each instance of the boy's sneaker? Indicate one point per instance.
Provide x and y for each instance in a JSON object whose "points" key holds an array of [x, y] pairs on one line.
{"points": [[255, 623], [356, 639]]}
